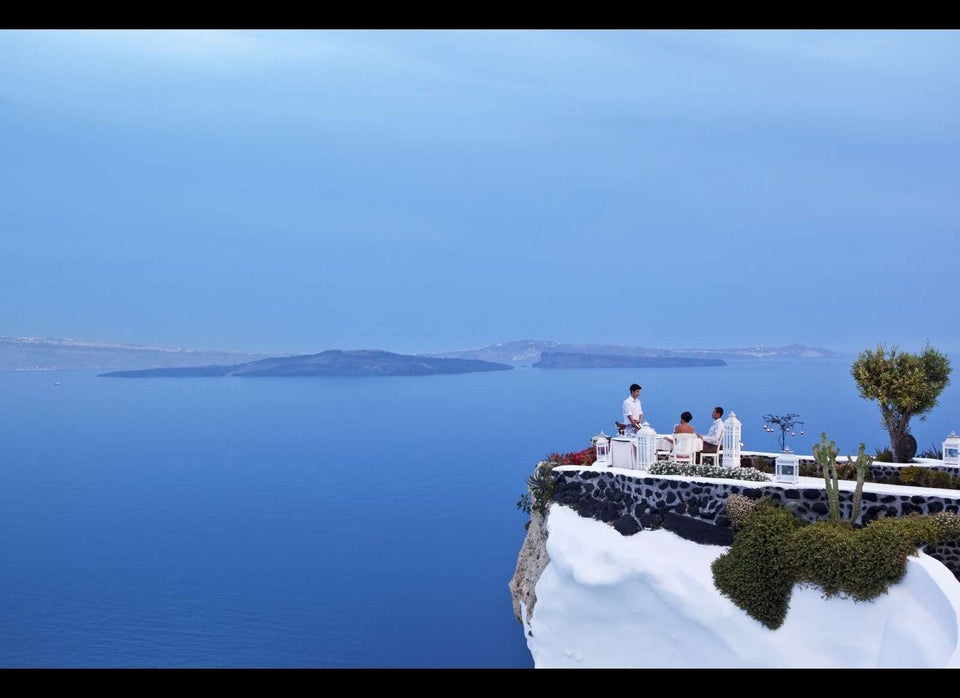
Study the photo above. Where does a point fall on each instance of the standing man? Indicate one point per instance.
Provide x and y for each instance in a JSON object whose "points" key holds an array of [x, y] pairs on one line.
{"points": [[633, 410], [711, 440]]}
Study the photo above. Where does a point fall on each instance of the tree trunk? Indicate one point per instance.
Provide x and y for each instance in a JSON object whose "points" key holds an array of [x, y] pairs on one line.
{"points": [[894, 430]]}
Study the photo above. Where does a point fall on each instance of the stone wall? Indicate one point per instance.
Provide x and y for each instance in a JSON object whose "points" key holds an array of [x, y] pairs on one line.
{"points": [[879, 472], [696, 509]]}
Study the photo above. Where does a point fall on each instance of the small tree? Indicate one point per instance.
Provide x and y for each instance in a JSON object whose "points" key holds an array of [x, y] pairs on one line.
{"points": [[904, 385], [785, 423]]}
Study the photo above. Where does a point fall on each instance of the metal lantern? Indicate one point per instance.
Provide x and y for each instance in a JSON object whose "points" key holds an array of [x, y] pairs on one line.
{"points": [[951, 450], [731, 441], [646, 446], [788, 467], [602, 443]]}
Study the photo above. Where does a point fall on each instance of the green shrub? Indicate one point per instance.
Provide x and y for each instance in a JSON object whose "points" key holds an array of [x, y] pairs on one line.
{"points": [[911, 475], [939, 478], [764, 465], [921, 476], [859, 564], [540, 489], [774, 550], [755, 573], [820, 554], [885, 455]]}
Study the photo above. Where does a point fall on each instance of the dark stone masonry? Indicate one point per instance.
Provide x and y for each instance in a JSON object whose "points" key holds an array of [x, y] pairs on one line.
{"points": [[696, 509], [878, 471]]}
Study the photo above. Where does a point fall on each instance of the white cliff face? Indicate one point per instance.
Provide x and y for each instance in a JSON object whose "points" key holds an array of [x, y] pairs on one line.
{"points": [[648, 600]]}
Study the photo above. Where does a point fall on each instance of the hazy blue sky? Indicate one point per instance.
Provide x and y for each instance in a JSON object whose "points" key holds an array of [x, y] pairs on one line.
{"points": [[296, 191]]}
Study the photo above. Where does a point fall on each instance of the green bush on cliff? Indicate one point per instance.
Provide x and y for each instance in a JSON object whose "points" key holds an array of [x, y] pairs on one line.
{"points": [[540, 488], [774, 550], [755, 573]]}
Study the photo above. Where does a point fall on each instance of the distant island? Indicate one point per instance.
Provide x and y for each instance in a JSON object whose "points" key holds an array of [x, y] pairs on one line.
{"points": [[527, 352], [43, 354], [363, 362], [560, 359]]}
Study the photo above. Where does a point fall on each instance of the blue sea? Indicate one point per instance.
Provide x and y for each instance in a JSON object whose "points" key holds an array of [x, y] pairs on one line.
{"points": [[325, 522]]}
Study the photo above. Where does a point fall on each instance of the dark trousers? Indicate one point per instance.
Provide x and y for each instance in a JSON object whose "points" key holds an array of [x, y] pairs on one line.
{"points": [[707, 448]]}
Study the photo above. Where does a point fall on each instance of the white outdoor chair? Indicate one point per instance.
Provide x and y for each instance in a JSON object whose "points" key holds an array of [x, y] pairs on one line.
{"points": [[715, 457], [664, 446], [685, 448]]}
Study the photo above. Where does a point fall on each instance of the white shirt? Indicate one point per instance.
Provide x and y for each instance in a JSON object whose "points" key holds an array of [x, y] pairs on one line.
{"points": [[716, 432], [632, 408]]}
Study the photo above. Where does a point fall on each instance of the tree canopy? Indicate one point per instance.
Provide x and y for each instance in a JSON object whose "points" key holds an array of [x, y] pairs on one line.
{"points": [[905, 385]]}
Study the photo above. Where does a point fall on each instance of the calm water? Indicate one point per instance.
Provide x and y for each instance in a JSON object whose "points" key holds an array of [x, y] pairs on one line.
{"points": [[323, 522]]}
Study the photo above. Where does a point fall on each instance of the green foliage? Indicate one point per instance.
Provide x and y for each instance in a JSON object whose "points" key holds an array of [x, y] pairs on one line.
{"points": [[765, 464], [903, 384], [540, 489], [921, 476], [861, 467], [818, 554], [851, 563], [540, 484], [884, 455], [774, 550], [912, 475], [826, 456], [755, 573]]}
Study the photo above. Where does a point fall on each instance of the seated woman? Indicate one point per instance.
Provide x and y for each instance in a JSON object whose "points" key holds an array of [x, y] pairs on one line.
{"points": [[684, 427]]}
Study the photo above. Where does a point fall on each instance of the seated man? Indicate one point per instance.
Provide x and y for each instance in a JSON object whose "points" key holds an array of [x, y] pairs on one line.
{"points": [[711, 440]]}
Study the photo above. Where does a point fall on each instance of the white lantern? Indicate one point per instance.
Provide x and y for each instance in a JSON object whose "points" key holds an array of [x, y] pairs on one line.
{"points": [[646, 446], [788, 467], [731, 441], [951, 450], [602, 443]]}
